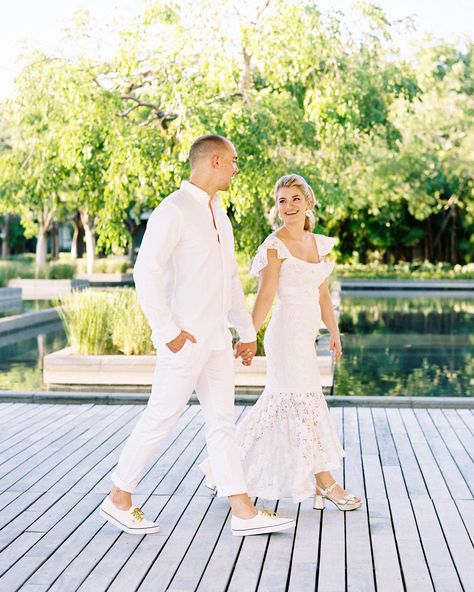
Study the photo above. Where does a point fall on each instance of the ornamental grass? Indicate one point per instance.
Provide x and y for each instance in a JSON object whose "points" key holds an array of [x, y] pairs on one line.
{"points": [[105, 322]]}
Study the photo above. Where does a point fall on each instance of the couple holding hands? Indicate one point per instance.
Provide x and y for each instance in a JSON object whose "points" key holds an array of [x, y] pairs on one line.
{"points": [[188, 285]]}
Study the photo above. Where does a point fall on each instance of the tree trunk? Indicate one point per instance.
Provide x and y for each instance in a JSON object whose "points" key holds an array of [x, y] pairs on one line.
{"points": [[5, 234], [75, 238], [133, 229], [88, 222], [454, 252], [55, 241], [41, 245]]}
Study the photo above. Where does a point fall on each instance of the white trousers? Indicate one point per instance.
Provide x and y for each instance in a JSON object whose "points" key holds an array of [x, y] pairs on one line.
{"points": [[211, 374]]}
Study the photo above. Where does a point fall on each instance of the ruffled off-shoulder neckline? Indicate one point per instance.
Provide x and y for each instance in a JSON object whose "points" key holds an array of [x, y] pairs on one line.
{"points": [[323, 243]]}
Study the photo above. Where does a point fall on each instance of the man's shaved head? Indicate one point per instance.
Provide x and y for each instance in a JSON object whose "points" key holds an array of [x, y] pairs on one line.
{"points": [[206, 145]]}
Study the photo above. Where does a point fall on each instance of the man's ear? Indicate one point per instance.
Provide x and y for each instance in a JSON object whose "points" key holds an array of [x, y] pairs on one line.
{"points": [[215, 160]]}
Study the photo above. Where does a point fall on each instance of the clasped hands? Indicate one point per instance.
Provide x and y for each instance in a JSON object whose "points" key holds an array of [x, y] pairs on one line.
{"points": [[244, 350]]}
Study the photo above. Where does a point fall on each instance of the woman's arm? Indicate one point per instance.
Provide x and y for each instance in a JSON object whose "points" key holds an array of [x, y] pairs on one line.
{"points": [[329, 317], [267, 288]]}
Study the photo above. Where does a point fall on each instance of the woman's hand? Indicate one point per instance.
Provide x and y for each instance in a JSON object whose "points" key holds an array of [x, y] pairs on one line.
{"points": [[335, 346]]}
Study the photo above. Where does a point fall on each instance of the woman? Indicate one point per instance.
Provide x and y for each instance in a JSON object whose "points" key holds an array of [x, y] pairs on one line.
{"points": [[288, 436]]}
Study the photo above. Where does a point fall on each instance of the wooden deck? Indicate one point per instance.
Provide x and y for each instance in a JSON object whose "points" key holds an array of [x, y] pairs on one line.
{"points": [[412, 466]]}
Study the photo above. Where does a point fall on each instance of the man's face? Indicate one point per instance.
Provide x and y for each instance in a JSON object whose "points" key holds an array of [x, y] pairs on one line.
{"points": [[227, 166]]}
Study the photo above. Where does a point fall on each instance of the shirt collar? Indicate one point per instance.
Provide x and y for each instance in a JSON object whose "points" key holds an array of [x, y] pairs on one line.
{"points": [[199, 194]]}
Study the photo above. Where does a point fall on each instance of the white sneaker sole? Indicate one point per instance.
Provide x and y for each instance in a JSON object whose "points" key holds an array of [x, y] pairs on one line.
{"points": [[264, 529], [137, 531]]}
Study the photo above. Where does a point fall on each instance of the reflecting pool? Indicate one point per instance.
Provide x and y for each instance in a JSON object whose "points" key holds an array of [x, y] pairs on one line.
{"points": [[21, 354], [406, 345]]}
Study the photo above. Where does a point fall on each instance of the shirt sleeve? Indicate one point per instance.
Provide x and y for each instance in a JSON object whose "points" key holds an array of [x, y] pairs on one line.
{"points": [[161, 236], [239, 315]]}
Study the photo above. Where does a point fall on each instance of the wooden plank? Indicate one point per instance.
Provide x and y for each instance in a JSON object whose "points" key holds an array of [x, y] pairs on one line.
{"points": [[406, 540], [56, 467], [32, 417], [28, 444], [8, 409], [460, 546], [466, 510], [412, 558], [332, 562], [163, 477], [250, 560], [178, 431], [10, 555], [83, 460], [359, 568], [221, 561], [43, 513], [176, 547], [102, 478], [102, 555], [353, 473], [21, 571], [306, 548], [31, 433], [455, 448], [387, 451], [331, 573], [70, 554], [432, 475], [24, 476], [448, 468], [467, 416], [131, 572], [461, 430], [370, 456], [6, 497], [277, 562], [440, 564], [192, 567], [387, 567], [412, 475]]}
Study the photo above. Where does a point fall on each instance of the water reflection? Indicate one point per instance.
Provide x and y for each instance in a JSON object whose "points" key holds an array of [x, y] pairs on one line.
{"points": [[21, 355], [417, 346]]}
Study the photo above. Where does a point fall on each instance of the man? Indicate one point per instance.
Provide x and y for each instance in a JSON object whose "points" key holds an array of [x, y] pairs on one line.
{"points": [[188, 286]]}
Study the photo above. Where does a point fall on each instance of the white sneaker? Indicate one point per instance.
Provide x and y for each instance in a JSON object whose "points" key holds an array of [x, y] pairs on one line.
{"points": [[264, 522], [131, 521]]}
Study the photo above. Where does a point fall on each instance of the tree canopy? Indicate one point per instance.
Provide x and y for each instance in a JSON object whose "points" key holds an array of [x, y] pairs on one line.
{"points": [[387, 143]]}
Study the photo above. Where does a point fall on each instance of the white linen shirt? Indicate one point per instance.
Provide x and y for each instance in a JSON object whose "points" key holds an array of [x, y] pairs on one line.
{"points": [[186, 276]]}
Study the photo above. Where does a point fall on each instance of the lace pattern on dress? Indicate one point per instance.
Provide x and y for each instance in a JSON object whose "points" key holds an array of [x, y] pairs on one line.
{"points": [[285, 439], [261, 258]]}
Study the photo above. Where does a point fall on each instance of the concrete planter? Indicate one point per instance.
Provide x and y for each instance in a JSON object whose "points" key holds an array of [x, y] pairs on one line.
{"points": [[66, 368], [107, 280], [36, 289], [28, 319]]}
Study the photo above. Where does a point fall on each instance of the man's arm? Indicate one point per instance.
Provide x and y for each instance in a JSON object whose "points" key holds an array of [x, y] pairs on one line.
{"points": [[161, 236]]}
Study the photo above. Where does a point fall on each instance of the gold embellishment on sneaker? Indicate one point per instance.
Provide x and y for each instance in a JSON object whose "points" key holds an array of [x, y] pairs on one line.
{"points": [[268, 513], [138, 514]]}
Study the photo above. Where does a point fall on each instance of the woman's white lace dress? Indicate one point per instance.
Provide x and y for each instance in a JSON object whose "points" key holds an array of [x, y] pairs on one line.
{"points": [[288, 435]]}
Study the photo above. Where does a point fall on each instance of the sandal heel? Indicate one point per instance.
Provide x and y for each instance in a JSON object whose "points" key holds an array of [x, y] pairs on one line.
{"points": [[318, 503]]}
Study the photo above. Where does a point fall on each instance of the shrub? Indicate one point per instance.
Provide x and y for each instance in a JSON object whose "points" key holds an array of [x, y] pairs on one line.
{"points": [[105, 322]]}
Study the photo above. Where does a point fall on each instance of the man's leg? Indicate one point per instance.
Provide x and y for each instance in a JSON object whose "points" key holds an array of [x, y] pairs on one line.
{"points": [[174, 380], [215, 389]]}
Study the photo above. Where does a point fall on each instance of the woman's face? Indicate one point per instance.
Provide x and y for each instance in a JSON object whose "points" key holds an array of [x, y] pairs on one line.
{"points": [[292, 205]]}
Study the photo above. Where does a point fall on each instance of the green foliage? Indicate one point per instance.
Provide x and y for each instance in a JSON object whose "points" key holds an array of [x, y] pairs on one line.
{"points": [[425, 270], [23, 267], [387, 144], [105, 322]]}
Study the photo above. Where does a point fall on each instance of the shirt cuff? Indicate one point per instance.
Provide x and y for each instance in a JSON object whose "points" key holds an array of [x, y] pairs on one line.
{"points": [[248, 335], [165, 334]]}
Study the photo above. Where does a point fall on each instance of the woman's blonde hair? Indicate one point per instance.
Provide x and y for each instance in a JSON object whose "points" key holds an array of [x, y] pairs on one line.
{"points": [[295, 180]]}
